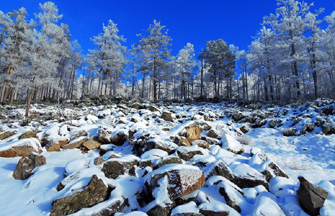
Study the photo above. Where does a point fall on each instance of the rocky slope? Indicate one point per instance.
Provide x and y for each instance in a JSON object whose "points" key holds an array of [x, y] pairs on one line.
{"points": [[144, 159]]}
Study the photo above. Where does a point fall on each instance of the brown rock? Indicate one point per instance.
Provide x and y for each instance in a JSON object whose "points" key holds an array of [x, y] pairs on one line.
{"points": [[212, 133], [104, 136], [167, 116], [274, 170], [116, 206], [7, 134], [23, 148], [28, 134], [94, 193], [194, 132], [99, 160], [245, 128], [26, 165], [201, 143], [77, 143], [137, 106], [92, 144], [114, 168], [187, 153], [311, 197], [181, 180], [213, 213], [52, 146], [119, 139]]}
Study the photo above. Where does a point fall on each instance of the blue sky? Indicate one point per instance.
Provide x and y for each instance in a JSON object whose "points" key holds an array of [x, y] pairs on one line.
{"points": [[194, 21]]}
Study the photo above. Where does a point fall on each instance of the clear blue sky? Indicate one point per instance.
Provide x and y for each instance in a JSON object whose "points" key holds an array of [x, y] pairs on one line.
{"points": [[194, 21]]}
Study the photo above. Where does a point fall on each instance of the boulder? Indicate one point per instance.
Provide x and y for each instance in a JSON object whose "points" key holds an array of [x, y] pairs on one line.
{"points": [[311, 197], [21, 148], [25, 166], [210, 209], [187, 152], [94, 193], [78, 133], [245, 128], [167, 146], [119, 138], [77, 143], [231, 144], [247, 177], [273, 170], [212, 133], [194, 132], [161, 210], [154, 109], [115, 167], [221, 169], [104, 136], [92, 143], [166, 115], [28, 134], [7, 134], [169, 160], [201, 143], [99, 160], [137, 106], [232, 194], [111, 209], [181, 179], [52, 146]]}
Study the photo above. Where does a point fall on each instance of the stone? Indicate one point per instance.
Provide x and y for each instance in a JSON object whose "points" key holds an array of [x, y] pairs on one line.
{"points": [[187, 153], [99, 160], [231, 144], [213, 213], [22, 148], [92, 143], [247, 177], [7, 134], [194, 132], [104, 136], [94, 193], [181, 179], [116, 167], [245, 128], [154, 109], [78, 133], [52, 146], [311, 198], [201, 143], [167, 146], [221, 169], [77, 143], [25, 166], [212, 133], [167, 116], [169, 160], [28, 134], [160, 210], [119, 138], [232, 194], [111, 209], [273, 170], [137, 106], [184, 142]]}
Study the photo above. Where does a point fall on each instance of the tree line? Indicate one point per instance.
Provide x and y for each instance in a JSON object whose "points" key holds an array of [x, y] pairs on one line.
{"points": [[291, 57]]}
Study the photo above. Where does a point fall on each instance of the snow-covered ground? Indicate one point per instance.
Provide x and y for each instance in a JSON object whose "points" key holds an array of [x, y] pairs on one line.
{"points": [[308, 153]]}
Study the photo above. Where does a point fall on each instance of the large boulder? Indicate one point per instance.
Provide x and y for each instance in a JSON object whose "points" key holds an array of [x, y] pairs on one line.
{"points": [[194, 132], [187, 152], [6, 134], [104, 136], [221, 169], [77, 143], [92, 143], [311, 197], [28, 134], [164, 145], [231, 144], [166, 115], [180, 179], [94, 193], [247, 177], [119, 166], [25, 166], [111, 209], [21, 148], [119, 137]]}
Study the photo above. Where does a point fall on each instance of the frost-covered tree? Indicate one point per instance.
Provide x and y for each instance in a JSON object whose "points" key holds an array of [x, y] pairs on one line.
{"points": [[155, 47]]}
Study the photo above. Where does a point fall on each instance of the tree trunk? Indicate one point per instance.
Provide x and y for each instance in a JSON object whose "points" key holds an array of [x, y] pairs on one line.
{"points": [[31, 91]]}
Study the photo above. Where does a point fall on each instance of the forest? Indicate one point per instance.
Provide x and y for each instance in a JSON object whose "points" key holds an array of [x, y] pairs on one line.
{"points": [[291, 57]]}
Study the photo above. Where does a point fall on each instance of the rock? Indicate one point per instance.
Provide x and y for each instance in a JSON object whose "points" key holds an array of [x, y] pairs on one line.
{"points": [[167, 146], [7, 134], [273, 170], [221, 169], [77, 143], [161, 210], [104, 136], [111, 209], [212, 133], [92, 143], [154, 109], [53, 146], [99, 160], [28, 134], [201, 143], [78, 133], [181, 179], [231, 144], [169, 160], [21, 148], [245, 128], [115, 167], [237, 116], [184, 142], [247, 177], [137, 106], [94, 193], [210, 209], [25, 166], [266, 205], [311, 197], [166, 115], [187, 152], [232, 194], [194, 132], [119, 138]]}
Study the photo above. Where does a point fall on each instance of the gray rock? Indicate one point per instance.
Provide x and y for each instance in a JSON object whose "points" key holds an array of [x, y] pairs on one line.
{"points": [[25, 166]]}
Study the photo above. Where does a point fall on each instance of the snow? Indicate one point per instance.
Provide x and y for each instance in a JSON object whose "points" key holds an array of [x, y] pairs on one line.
{"points": [[190, 207]]}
